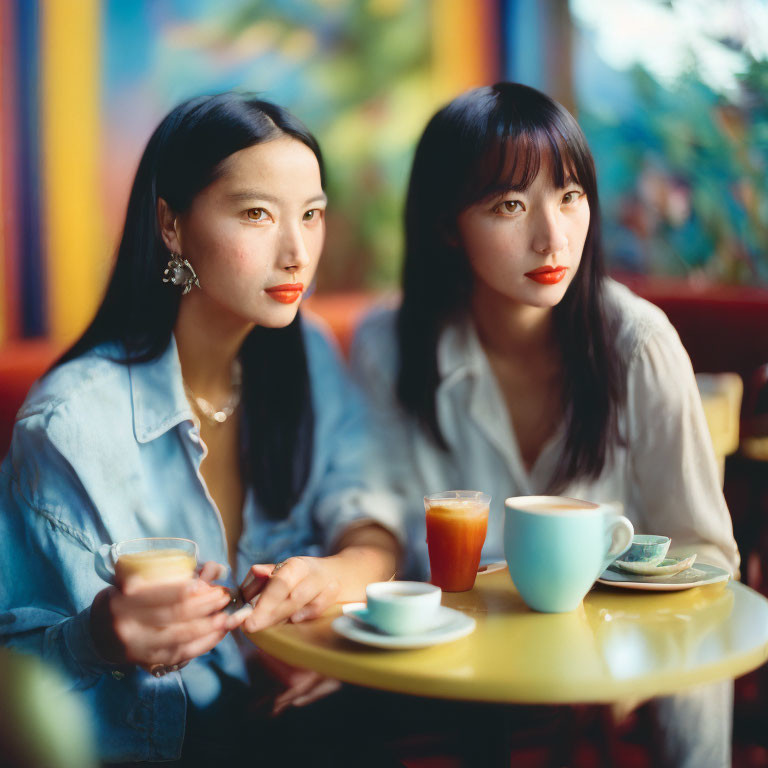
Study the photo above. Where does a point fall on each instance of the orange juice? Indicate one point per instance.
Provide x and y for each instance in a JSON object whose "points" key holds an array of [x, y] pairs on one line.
{"points": [[456, 531]]}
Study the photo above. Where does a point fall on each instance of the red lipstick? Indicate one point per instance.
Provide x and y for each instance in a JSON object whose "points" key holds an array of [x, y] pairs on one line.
{"points": [[547, 275], [286, 293]]}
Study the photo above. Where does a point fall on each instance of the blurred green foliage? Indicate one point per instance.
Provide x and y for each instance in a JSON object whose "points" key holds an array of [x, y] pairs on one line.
{"points": [[365, 92], [43, 724]]}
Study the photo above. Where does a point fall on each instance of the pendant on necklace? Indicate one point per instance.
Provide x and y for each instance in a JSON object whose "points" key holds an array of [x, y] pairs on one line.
{"points": [[218, 415]]}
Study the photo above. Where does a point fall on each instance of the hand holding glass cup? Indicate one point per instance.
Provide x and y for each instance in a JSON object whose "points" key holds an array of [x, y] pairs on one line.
{"points": [[457, 522], [159, 614]]}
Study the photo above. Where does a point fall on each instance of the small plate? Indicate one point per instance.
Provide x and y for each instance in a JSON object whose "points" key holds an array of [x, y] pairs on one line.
{"points": [[695, 576], [667, 567], [449, 625]]}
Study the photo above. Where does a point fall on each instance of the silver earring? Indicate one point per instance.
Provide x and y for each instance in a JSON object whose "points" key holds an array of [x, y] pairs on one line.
{"points": [[180, 272]]}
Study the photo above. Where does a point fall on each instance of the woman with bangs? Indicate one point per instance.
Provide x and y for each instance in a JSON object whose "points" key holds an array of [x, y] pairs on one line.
{"points": [[515, 366]]}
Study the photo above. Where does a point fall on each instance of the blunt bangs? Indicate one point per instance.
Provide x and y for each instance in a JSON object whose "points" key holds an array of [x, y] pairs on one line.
{"points": [[513, 150]]}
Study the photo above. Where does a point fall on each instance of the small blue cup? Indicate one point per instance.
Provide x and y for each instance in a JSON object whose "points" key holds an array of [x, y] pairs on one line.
{"points": [[647, 549], [557, 547], [402, 607]]}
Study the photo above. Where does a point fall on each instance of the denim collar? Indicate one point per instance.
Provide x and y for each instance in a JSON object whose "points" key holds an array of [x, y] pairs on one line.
{"points": [[157, 392]]}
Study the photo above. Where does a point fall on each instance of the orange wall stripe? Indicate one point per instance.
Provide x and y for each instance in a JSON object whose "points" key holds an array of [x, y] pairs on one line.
{"points": [[465, 45]]}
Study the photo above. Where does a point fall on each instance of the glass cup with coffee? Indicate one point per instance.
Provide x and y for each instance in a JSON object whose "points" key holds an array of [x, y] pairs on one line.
{"points": [[153, 559], [457, 522]]}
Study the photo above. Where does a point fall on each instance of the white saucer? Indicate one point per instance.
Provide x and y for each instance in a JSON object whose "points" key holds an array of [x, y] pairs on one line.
{"points": [[450, 625], [696, 576]]}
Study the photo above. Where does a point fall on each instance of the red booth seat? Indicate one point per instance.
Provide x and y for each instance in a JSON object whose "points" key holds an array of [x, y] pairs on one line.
{"points": [[21, 362], [724, 328]]}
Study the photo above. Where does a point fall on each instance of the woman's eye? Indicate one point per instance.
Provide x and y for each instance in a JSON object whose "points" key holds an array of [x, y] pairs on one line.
{"points": [[313, 215], [256, 214], [571, 197], [510, 206]]}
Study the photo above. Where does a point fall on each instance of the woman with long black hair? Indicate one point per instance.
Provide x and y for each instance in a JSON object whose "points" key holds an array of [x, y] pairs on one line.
{"points": [[515, 366], [197, 404]]}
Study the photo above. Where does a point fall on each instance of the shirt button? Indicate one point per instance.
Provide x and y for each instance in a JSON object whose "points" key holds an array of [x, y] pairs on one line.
{"points": [[117, 674]]}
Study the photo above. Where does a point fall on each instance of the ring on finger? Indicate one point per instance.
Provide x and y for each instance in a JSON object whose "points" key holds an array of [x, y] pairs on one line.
{"points": [[161, 670], [278, 567]]}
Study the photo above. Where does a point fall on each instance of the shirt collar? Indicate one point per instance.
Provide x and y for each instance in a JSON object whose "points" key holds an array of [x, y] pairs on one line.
{"points": [[460, 356], [459, 353], [157, 392]]}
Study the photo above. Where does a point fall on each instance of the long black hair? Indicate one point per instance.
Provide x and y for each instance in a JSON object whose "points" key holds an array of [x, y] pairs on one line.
{"points": [[183, 156], [489, 140]]}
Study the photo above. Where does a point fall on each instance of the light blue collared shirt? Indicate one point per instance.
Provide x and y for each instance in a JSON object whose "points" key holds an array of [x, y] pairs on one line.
{"points": [[104, 452]]}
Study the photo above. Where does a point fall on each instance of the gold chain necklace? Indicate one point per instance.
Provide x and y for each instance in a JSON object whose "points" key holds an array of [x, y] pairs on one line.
{"points": [[215, 415]]}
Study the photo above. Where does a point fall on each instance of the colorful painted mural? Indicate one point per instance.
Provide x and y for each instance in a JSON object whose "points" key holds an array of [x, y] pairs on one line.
{"points": [[91, 79]]}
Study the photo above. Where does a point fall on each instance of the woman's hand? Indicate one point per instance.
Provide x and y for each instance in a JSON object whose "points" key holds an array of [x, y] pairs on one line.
{"points": [[301, 588], [297, 687], [167, 624]]}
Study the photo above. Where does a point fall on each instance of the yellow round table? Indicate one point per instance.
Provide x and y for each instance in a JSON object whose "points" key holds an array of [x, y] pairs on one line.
{"points": [[620, 643]]}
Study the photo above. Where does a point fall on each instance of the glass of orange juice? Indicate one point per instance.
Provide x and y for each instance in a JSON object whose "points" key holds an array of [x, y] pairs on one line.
{"points": [[457, 522]]}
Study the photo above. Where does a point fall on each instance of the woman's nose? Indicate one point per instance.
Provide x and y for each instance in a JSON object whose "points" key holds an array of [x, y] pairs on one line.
{"points": [[293, 250], [549, 236]]}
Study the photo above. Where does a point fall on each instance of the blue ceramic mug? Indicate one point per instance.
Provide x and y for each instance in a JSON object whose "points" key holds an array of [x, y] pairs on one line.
{"points": [[557, 547]]}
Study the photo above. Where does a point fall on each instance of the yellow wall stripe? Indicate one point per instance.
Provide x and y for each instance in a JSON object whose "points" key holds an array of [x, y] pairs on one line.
{"points": [[70, 116]]}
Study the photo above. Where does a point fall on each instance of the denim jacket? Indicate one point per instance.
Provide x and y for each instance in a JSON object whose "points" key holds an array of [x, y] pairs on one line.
{"points": [[103, 452]]}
